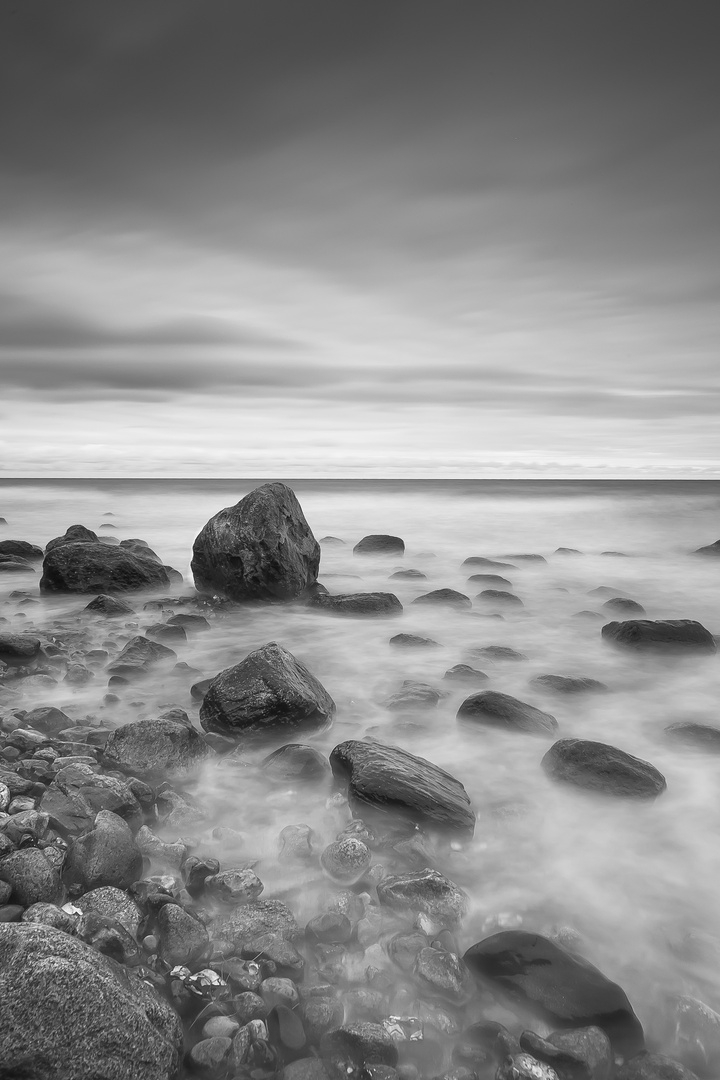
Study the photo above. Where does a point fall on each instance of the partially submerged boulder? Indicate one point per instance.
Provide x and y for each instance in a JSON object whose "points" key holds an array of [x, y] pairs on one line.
{"points": [[260, 549], [386, 778], [21, 548], [445, 598], [713, 550], [379, 544], [270, 692], [357, 604], [662, 635], [493, 709], [155, 748], [426, 891], [597, 766], [17, 650], [566, 684], [109, 606], [139, 656], [81, 564]]}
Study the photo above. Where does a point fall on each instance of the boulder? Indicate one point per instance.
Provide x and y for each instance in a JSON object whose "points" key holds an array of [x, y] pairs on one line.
{"points": [[497, 652], [74, 534], [499, 598], [413, 695], [653, 1067], [555, 985], [493, 709], [260, 549], [47, 719], [598, 766], [379, 544], [622, 605], [107, 855], [579, 1054], [426, 891], [386, 778], [413, 641], [356, 604], [713, 550], [445, 598], [563, 684], [157, 748], [294, 761], [464, 673], [488, 564], [13, 564], [32, 878], [86, 566], [69, 1013], [109, 606], [18, 650], [669, 635], [183, 938], [703, 737], [139, 547], [22, 548], [113, 904], [257, 923], [489, 580], [95, 792], [139, 656], [268, 693]]}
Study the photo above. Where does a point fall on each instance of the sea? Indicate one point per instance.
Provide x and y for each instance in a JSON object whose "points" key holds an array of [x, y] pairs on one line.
{"points": [[633, 883]]}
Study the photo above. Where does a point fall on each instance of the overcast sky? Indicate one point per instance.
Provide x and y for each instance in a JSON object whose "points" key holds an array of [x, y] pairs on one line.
{"points": [[359, 237]]}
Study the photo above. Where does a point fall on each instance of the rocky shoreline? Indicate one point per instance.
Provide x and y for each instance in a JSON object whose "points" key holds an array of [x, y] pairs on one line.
{"points": [[128, 949]]}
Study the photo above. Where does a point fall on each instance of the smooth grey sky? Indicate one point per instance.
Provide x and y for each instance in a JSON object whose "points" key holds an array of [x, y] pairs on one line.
{"points": [[359, 237]]}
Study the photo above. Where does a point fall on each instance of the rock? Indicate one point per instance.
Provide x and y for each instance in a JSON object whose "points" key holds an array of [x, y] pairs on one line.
{"points": [[294, 761], [580, 1054], [234, 886], [208, 1055], [152, 847], [21, 548], [13, 564], [379, 544], [309, 1068], [670, 635], [139, 547], [563, 684], [698, 736], [412, 641], [220, 1026], [497, 652], [345, 861], [387, 778], [329, 928], [492, 709], [413, 695], [348, 1050], [189, 622], [33, 879], [598, 766], [623, 606], [414, 575], [178, 813], [73, 534], [139, 656], [653, 1067], [697, 1036], [70, 1013], [426, 891], [163, 632], [48, 720], [488, 564], [489, 579], [94, 792], [110, 606], [464, 673], [248, 923], [107, 855], [442, 972], [51, 915], [525, 1067], [78, 675], [445, 598], [17, 650], [713, 550], [295, 842], [87, 566], [260, 549], [331, 540], [155, 749], [499, 598], [566, 551], [557, 986], [113, 904], [269, 692], [356, 604], [183, 939]]}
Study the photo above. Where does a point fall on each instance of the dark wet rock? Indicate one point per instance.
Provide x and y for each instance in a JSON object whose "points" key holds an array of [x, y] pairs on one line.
{"points": [[598, 766], [33, 879], [669, 635], [294, 761], [557, 986], [183, 938], [86, 566], [488, 564], [425, 891], [566, 551], [191, 623], [155, 748], [330, 928], [308, 1068], [107, 855], [581, 1054], [385, 777], [563, 684], [94, 792], [499, 597], [196, 871], [493, 709], [445, 598], [698, 736], [269, 692], [712, 550], [497, 652], [465, 674], [346, 861], [320, 1015], [139, 656], [164, 632], [413, 641], [489, 580], [73, 535], [414, 575], [78, 675], [653, 1067], [22, 549], [14, 564], [616, 554], [622, 605], [528, 558], [260, 549], [379, 544], [110, 606], [588, 615], [199, 689], [234, 886], [413, 695], [348, 1050], [70, 1013], [48, 720], [330, 540], [208, 1055], [17, 650], [356, 604], [140, 547]]}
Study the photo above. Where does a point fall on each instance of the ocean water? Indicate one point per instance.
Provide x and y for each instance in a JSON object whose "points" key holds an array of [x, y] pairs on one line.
{"points": [[637, 882]]}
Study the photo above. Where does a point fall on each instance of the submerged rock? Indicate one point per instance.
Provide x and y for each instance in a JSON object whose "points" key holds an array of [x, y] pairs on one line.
{"points": [[624, 606], [699, 736], [464, 673], [22, 549], [17, 650], [386, 778], [497, 652], [109, 606], [653, 1067], [559, 987], [268, 693], [497, 710], [70, 1013], [712, 550], [155, 748], [597, 766], [489, 564], [499, 597], [445, 598], [413, 695], [669, 635], [413, 641], [357, 604], [379, 544], [425, 891], [260, 549], [580, 1054], [88, 566], [564, 684]]}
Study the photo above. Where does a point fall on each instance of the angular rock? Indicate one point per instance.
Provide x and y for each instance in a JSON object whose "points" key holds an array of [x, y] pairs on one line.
{"points": [[442, 971], [379, 544], [598, 766], [249, 923], [386, 778], [372, 604], [663, 636], [492, 709], [426, 891], [21, 548], [183, 939], [269, 692], [48, 720], [563, 684], [445, 598], [86, 566], [260, 549], [413, 641], [33, 879], [525, 1067], [139, 656], [555, 985], [110, 606], [234, 886], [155, 748], [413, 695], [69, 1013], [107, 855], [114, 904], [95, 792], [17, 650]]}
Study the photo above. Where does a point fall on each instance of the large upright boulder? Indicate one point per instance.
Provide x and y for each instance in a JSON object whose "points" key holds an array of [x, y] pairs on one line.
{"points": [[69, 1013], [79, 563], [268, 693], [662, 635], [260, 549]]}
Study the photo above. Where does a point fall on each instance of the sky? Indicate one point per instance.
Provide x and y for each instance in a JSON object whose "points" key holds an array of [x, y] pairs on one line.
{"points": [[359, 238]]}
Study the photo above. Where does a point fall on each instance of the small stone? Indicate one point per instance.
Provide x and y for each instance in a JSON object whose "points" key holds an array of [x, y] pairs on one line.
{"points": [[183, 939], [346, 860], [234, 886]]}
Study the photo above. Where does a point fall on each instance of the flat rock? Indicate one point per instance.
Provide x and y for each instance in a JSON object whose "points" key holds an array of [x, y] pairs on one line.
{"points": [[559, 987], [493, 709], [445, 598], [269, 692], [564, 684], [669, 635], [19, 649], [86, 566], [597, 766], [379, 544], [70, 1013], [21, 548], [497, 652], [464, 673], [386, 778], [425, 891], [356, 604], [155, 748], [260, 549]]}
